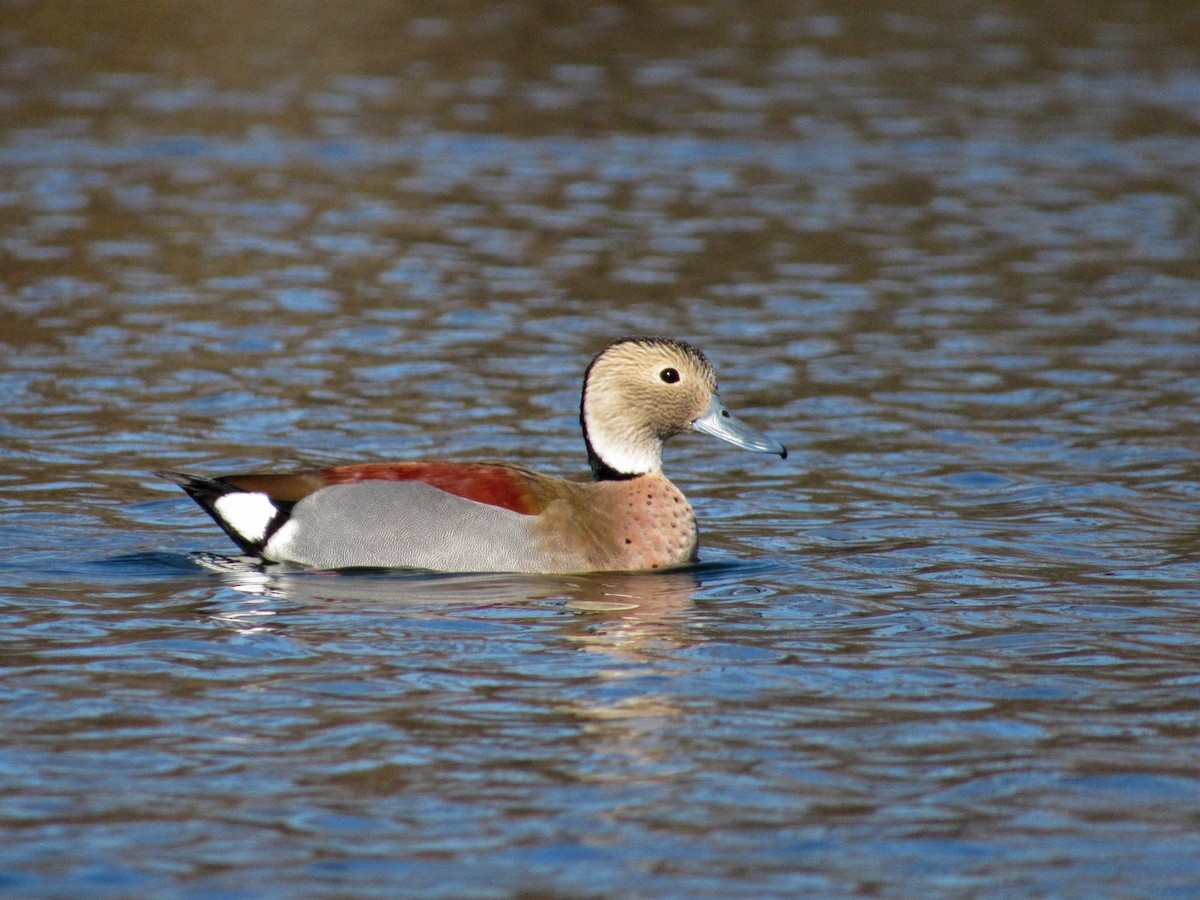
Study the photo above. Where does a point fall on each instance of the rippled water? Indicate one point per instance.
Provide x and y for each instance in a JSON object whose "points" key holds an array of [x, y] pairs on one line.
{"points": [[947, 253]]}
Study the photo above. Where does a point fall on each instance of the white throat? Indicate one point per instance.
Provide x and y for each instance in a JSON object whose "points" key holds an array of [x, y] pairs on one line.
{"points": [[622, 449]]}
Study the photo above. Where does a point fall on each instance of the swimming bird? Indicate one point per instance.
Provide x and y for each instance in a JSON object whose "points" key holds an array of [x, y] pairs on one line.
{"points": [[499, 516]]}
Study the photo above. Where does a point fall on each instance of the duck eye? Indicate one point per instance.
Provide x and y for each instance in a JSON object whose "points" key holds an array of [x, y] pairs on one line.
{"points": [[670, 376]]}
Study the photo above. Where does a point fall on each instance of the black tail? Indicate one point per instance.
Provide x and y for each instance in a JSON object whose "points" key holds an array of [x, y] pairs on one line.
{"points": [[208, 492]]}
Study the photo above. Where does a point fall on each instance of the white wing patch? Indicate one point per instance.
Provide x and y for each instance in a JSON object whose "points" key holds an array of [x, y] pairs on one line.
{"points": [[247, 514]]}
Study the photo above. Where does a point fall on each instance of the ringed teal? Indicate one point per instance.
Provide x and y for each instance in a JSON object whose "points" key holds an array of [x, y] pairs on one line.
{"points": [[497, 516]]}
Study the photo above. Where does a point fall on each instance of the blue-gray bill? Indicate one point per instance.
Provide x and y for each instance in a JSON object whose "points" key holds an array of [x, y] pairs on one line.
{"points": [[721, 423]]}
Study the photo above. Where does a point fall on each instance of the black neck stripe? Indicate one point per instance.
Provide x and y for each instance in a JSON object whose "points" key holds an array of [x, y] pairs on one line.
{"points": [[602, 471]]}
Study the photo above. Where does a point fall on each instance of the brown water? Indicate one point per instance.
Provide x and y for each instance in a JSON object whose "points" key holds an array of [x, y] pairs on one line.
{"points": [[948, 253]]}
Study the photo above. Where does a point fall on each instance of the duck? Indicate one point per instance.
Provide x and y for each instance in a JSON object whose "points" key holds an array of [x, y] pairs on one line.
{"points": [[493, 516]]}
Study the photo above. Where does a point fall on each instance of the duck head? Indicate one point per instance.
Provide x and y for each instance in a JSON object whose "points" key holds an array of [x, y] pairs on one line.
{"points": [[639, 391]]}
